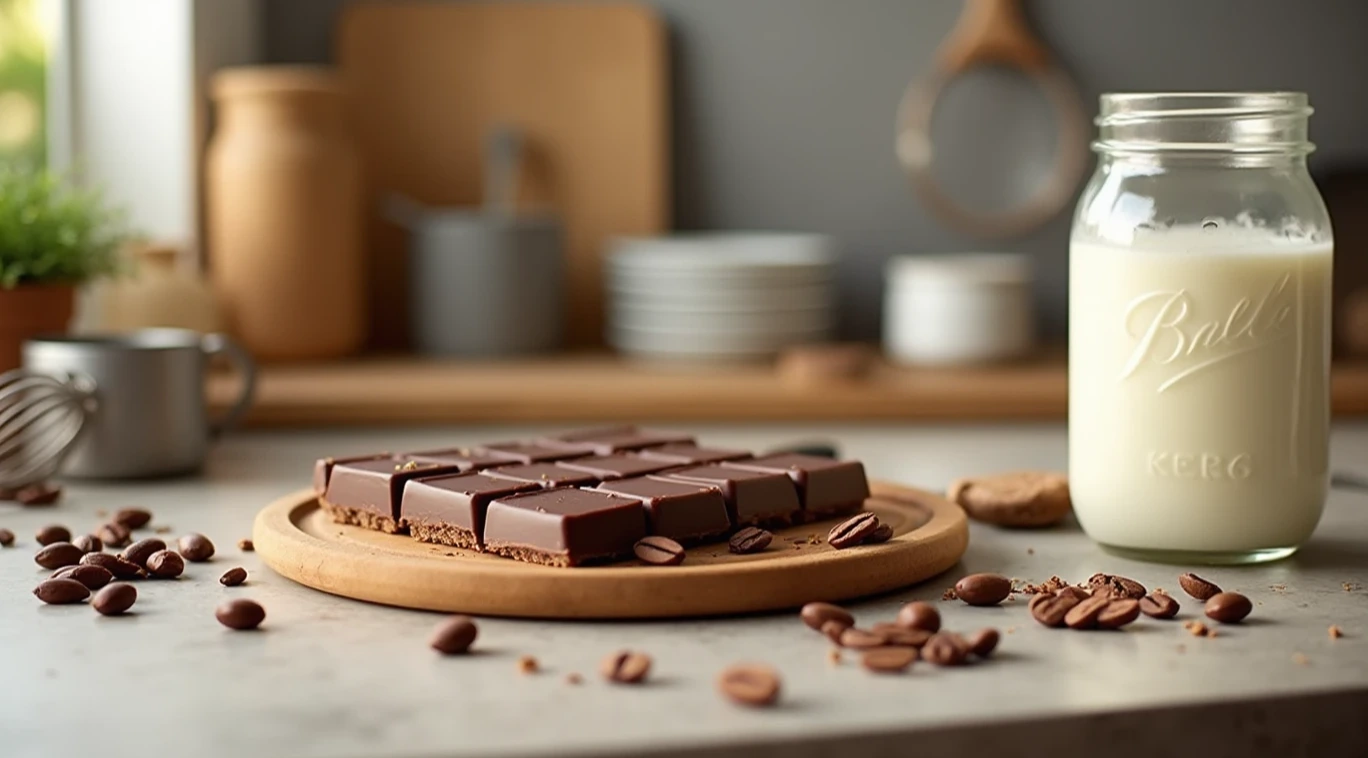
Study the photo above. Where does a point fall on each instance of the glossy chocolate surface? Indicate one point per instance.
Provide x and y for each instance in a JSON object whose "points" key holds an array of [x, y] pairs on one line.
{"points": [[568, 526], [458, 501], [469, 459], [609, 467], [675, 509], [689, 454], [323, 468], [378, 485], [546, 475], [536, 452], [617, 439], [824, 485], [753, 497]]}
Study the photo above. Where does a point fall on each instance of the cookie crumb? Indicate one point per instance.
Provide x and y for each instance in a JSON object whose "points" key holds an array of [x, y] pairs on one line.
{"points": [[527, 665], [949, 594], [1336, 632], [1351, 586], [573, 678], [1010, 630], [834, 657], [1198, 629], [1300, 659], [162, 530], [1278, 587], [1047, 587]]}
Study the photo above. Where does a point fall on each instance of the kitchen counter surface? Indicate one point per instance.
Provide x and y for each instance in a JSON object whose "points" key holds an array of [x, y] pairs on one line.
{"points": [[328, 677]]}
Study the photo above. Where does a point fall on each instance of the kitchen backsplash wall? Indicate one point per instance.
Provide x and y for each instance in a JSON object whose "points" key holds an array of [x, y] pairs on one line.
{"points": [[784, 109]]}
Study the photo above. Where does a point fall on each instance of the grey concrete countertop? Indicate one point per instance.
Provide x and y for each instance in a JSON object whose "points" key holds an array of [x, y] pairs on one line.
{"points": [[329, 677]]}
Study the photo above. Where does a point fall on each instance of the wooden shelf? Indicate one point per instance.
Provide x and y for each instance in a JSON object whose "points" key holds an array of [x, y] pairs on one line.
{"points": [[604, 388]]}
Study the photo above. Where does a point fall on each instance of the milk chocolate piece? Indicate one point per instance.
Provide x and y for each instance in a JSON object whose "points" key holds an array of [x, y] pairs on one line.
{"points": [[548, 476], [368, 493], [450, 510], [753, 497], [467, 458], [682, 511], [323, 468], [610, 467], [689, 454], [536, 452], [825, 487], [618, 439], [564, 527]]}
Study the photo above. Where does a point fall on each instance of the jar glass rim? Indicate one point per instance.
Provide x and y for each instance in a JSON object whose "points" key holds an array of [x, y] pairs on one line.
{"points": [[1119, 107]]}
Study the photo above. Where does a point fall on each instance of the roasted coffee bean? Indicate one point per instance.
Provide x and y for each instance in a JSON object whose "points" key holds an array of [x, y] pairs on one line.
{"points": [[833, 631], [919, 615], [883, 533], [859, 638], [1197, 587], [165, 564], [246, 546], [945, 649], [233, 577], [53, 533], [888, 660], [984, 642], [453, 636], [1050, 610], [1159, 605], [138, 553], [120, 568], [983, 589], [41, 493], [1084, 615], [1228, 607], [659, 551], [853, 530], [93, 577], [1118, 586], [57, 555], [749, 540], [6, 538], [816, 615], [626, 667], [1077, 593], [114, 534], [61, 591], [1118, 613], [88, 543], [749, 684], [132, 518], [240, 614], [115, 599], [902, 636], [196, 548]]}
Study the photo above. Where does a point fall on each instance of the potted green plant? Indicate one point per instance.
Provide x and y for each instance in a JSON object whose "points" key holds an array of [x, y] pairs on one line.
{"points": [[53, 237]]}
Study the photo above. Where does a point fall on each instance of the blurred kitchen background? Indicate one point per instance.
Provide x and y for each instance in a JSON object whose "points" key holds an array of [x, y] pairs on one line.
{"points": [[672, 210]]}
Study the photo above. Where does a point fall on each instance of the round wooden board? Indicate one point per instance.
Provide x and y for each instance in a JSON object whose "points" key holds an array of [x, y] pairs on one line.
{"points": [[297, 539]]}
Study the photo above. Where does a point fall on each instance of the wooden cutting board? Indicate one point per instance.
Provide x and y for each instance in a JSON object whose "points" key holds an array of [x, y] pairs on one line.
{"points": [[586, 83]]}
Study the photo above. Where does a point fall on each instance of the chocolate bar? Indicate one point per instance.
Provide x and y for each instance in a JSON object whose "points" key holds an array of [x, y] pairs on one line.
{"points": [[468, 459], [450, 510], [535, 452], [368, 493], [683, 511], [825, 487], [323, 468], [564, 527], [689, 454], [548, 476], [753, 497], [610, 467], [618, 439]]}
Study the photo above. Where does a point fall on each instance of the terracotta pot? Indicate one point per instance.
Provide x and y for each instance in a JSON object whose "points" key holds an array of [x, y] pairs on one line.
{"points": [[30, 310]]}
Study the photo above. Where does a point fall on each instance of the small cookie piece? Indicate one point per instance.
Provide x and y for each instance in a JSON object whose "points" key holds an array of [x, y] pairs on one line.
{"points": [[1017, 499]]}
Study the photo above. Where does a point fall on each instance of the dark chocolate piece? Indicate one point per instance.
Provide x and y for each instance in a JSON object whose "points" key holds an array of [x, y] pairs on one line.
{"points": [[618, 439], [536, 452], [564, 527], [753, 497], [684, 511], [825, 487], [450, 510], [368, 493], [610, 467], [467, 458], [546, 475], [323, 468], [689, 454]]}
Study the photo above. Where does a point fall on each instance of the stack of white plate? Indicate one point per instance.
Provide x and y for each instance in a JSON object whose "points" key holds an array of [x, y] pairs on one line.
{"points": [[720, 296]]}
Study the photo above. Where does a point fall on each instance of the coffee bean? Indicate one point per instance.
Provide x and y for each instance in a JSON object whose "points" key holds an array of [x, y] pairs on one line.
{"points": [[901, 636], [233, 577], [626, 667], [88, 543], [53, 533], [120, 568], [833, 631], [165, 564], [454, 636], [196, 548], [749, 684], [859, 638], [1050, 610], [61, 591], [1159, 605], [138, 553], [1077, 593], [816, 615], [6, 538], [1118, 613], [945, 649], [115, 599], [983, 589], [93, 577], [246, 546], [1118, 586], [132, 518], [888, 660], [41, 493], [240, 614], [883, 533], [1197, 587], [984, 642], [57, 555], [749, 540], [1228, 607], [853, 530], [1084, 615], [114, 535], [659, 551], [919, 615]]}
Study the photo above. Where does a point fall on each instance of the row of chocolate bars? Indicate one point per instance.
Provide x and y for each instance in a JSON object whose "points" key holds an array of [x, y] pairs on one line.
{"points": [[586, 496]]}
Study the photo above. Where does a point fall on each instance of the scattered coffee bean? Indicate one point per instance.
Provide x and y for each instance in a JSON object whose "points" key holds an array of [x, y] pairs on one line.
{"points": [[114, 534], [626, 667], [983, 589], [89, 543], [453, 636], [165, 564], [860, 639], [120, 568], [138, 553], [1084, 615], [659, 551], [919, 615], [1228, 607], [984, 642], [1050, 610], [115, 599], [57, 555], [61, 591], [749, 684], [233, 577], [888, 660], [240, 614], [945, 649], [1077, 593], [903, 637], [1159, 605], [132, 518], [1197, 587], [833, 631], [41, 493], [246, 546], [1118, 613], [53, 533], [749, 540], [816, 615], [853, 530], [93, 577], [1118, 586], [883, 533], [527, 665], [196, 548], [6, 538]]}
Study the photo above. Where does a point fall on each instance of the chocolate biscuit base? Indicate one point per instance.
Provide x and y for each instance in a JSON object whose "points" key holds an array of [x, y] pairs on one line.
{"points": [[363, 518], [444, 534], [530, 555]]}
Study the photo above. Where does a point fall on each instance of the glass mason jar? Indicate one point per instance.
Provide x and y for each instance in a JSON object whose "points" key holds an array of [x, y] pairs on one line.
{"points": [[1199, 330]]}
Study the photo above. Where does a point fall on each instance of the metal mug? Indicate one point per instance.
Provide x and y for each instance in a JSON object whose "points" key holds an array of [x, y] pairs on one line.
{"points": [[150, 416]]}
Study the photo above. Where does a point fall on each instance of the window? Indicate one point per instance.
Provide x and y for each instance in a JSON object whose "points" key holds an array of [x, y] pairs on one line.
{"points": [[23, 83]]}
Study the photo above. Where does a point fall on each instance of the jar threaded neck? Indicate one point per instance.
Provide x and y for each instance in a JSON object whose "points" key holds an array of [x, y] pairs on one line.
{"points": [[1248, 123]]}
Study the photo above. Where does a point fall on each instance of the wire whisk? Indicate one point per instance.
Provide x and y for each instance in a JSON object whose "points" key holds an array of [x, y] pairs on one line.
{"points": [[41, 417]]}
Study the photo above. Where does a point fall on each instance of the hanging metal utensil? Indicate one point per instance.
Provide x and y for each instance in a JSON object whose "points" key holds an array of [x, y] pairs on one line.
{"points": [[41, 417], [993, 32]]}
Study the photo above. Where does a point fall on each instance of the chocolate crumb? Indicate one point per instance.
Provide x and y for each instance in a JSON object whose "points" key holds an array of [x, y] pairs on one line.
{"points": [[1335, 632], [949, 594], [1300, 659], [246, 546], [573, 678], [1198, 629], [1030, 551], [527, 665], [1278, 587], [1351, 586], [834, 657], [1047, 587], [162, 530]]}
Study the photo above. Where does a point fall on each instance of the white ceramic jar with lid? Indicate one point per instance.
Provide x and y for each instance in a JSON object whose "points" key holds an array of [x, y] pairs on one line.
{"points": [[1199, 337], [958, 309]]}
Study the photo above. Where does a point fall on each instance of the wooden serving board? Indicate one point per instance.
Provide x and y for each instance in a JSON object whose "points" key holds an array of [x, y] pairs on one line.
{"points": [[298, 540]]}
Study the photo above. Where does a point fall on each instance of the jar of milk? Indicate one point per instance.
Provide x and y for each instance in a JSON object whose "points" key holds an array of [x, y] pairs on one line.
{"points": [[1199, 330]]}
